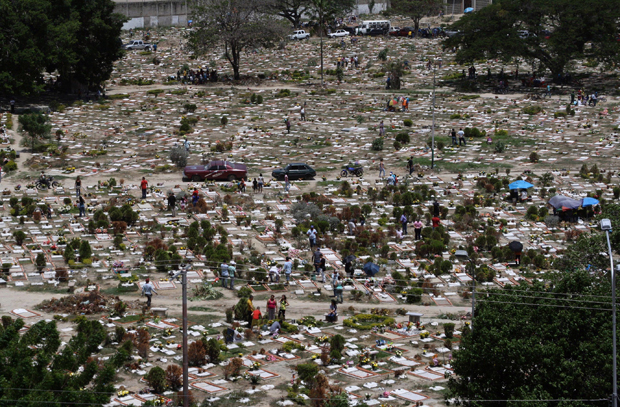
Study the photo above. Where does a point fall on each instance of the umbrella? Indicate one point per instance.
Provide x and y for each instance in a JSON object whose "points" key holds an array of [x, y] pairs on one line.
{"points": [[561, 201], [520, 184], [371, 269], [349, 259], [468, 10], [589, 202], [515, 246]]}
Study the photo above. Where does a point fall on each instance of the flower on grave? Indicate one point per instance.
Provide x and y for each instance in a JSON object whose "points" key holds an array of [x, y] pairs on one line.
{"points": [[435, 362], [240, 354], [314, 357], [122, 393], [255, 366], [398, 353], [374, 366]]}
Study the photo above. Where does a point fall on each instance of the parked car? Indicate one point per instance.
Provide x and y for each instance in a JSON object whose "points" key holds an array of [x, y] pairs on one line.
{"points": [[299, 35], [338, 33], [294, 171], [138, 45], [374, 32], [402, 32], [394, 30], [215, 170]]}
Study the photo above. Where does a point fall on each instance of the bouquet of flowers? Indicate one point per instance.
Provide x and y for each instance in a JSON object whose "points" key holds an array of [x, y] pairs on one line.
{"points": [[255, 366], [374, 366]]}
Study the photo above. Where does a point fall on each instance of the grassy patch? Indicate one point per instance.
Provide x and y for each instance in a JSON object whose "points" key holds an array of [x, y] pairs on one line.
{"points": [[205, 309], [130, 318], [326, 183]]}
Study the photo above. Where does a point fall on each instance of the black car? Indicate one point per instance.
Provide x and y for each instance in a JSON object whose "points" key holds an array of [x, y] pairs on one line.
{"points": [[294, 171]]}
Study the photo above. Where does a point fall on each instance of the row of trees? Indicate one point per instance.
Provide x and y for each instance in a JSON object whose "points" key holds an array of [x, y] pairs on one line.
{"points": [[549, 33], [238, 25], [77, 39]]}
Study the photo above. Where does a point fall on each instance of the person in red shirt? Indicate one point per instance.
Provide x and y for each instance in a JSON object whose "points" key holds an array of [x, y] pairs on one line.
{"points": [[256, 316], [436, 222], [144, 184], [195, 197]]}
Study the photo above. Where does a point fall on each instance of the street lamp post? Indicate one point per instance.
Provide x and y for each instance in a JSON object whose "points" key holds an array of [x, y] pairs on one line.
{"points": [[433, 128], [606, 227], [462, 255], [183, 273]]}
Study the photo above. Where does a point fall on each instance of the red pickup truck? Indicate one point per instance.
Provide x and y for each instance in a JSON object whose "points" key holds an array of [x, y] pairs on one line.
{"points": [[215, 170]]}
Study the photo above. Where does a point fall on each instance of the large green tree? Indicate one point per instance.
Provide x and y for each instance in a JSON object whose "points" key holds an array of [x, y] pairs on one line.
{"points": [[292, 10], [23, 30], [540, 342], [235, 25], [78, 39], [580, 29], [416, 9], [85, 42], [35, 371]]}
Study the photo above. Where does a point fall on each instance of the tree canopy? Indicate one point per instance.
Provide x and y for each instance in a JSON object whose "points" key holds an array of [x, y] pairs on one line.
{"points": [[78, 39], [235, 25], [36, 125], [556, 344], [35, 371], [416, 9], [550, 32], [292, 10]]}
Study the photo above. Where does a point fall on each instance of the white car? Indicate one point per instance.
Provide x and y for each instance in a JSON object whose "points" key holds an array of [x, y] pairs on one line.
{"points": [[338, 33], [299, 35]]}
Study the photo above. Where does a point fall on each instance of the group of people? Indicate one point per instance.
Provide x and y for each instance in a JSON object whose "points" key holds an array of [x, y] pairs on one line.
{"points": [[460, 135], [273, 306], [584, 99], [197, 76], [396, 103]]}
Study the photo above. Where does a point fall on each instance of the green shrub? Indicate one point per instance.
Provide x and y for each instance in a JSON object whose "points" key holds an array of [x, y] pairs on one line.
{"points": [[383, 54], [534, 157], [259, 99], [500, 147], [532, 110], [367, 321], [474, 132], [397, 146], [408, 123], [190, 107], [10, 166], [403, 137], [283, 93], [377, 144], [449, 330], [244, 292], [156, 378]]}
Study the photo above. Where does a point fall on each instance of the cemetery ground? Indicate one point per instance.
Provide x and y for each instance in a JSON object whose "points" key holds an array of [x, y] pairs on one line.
{"points": [[98, 263]]}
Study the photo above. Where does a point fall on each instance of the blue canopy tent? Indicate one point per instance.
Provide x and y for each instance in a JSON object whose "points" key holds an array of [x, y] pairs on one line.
{"points": [[468, 10], [371, 269], [589, 202], [520, 184], [561, 201]]}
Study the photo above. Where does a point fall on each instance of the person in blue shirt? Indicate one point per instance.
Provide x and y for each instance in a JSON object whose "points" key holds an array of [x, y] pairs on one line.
{"points": [[288, 269], [148, 290]]}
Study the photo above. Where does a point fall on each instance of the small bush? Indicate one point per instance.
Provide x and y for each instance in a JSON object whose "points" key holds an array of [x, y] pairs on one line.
{"points": [[408, 122], [397, 146], [383, 54], [532, 110], [403, 137], [156, 378], [534, 157], [377, 144]]}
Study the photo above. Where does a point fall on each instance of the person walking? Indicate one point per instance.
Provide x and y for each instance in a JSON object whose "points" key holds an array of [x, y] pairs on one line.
{"points": [[288, 125], [172, 204], [282, 312], [250, 307], [144, 185], [404, 221], [453, 134], [435, 208], [224, 274], [288, 269], [195, 197], [410, 165], [461, 135], [322, 268], [82, 206], [312, 237], [148, 290], [436, 221], [231, 274], [316, 259], [12, 102], [302, 113], [256, 317], [381, 129], [381, 169], [261, 181], [287, 184], [417, 227], [272, 305], [572, 98], [352, 227], [78, 187]]}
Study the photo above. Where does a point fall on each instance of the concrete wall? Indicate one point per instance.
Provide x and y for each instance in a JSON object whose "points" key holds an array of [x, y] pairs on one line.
{"points": [[152, 13]]}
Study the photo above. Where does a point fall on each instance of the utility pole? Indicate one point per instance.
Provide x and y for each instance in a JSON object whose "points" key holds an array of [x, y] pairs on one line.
{"points": [[606, 227], [433, 128], [183, 273]]}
